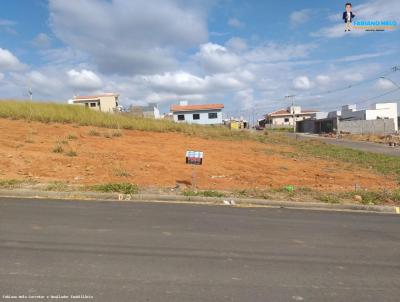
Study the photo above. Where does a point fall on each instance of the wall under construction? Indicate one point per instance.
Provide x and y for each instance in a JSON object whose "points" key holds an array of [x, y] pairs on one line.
{"points": [[379, 127]]}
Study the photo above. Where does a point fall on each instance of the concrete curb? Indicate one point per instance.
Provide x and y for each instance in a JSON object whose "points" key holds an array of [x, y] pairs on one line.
{"points": [[196, 199]]}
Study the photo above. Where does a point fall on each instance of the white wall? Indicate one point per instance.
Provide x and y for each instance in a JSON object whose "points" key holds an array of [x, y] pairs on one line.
{"points": [[204, 120], [380, 110]]}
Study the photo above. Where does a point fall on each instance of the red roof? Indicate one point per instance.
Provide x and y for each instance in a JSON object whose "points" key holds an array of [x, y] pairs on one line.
{"points": [[286, 112], [196, 107], [94, 96]]}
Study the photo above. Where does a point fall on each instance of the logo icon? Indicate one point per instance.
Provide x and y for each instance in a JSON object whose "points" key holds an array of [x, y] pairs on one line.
{"points": [[348, 16]]}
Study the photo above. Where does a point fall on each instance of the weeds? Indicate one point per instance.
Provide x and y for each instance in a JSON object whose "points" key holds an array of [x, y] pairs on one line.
{"points": [[121, 173], [72, 137], [58, 149], [207, 193], [71, 153], [58, 186], [94, 132], [124, 188]]}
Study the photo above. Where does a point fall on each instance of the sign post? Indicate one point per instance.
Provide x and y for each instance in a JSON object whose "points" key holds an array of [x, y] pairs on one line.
{"points": [[194, 158]]}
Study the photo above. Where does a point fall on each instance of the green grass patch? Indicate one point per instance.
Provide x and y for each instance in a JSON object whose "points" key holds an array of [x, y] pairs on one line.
{"points": [[206, 193], [384, 164], [123, 188], [58, 186], [14, 183]]}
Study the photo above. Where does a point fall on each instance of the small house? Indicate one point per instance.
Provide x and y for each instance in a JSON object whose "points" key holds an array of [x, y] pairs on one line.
{"points": [[207, 114]]}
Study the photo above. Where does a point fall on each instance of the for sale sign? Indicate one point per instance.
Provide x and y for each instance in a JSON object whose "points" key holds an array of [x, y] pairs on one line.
{"points": [[194, 157]]}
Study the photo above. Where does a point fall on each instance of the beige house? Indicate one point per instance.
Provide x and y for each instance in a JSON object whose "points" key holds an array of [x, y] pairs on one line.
{"points": [[107, 102], [288, 116]]}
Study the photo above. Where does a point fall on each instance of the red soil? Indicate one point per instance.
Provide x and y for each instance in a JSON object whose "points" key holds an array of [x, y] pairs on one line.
{"points": [[157, 160]]}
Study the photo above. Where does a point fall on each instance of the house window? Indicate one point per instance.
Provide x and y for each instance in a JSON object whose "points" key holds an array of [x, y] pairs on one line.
{"points": [[93, 104], [286, 120], [212, 115], [181, 117], [196, 116]]}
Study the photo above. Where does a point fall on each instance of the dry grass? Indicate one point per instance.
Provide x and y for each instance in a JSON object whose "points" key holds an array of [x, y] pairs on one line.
{"points": [[60, 113]]}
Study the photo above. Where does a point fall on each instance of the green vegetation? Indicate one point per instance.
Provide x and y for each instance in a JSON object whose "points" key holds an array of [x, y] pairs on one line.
{"points": [[124, 188], [71, 137], [207, 193], [374, 197], [328, 198], [384, 164], [58, 186], [14, 183], [59, 113]]}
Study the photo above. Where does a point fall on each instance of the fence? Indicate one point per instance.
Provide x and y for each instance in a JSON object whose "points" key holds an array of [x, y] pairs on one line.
{"points": [[379, 127]]}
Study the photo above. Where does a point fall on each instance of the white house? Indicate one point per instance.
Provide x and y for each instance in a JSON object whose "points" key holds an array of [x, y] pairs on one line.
{"points": [[107, 102], [207, 114], [287, 117], [376, 111]]}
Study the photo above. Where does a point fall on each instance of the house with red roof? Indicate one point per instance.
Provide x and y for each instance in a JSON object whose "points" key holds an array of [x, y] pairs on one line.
{"points": [[288, 116], [206, 114]]}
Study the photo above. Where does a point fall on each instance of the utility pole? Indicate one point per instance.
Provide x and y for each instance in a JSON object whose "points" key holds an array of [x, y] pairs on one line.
{"points": [[291, 97]]}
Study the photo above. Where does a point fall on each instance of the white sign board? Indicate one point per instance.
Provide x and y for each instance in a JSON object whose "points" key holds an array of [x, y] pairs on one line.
{"points": [[194, 157]]}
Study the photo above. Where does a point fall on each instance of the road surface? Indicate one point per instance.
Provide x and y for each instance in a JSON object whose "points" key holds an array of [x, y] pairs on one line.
{"points": [[357, 145], [116, 251]]}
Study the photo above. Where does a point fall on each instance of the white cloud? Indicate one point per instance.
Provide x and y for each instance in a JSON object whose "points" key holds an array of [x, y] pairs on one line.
{"points": [[84, 79], [354, 77], [236, 44], [129, 37], [1, 76], [273, 52], [384, 84], [9, 62], [42, 40], [323, 80], [302, 83], [215, 58], [300, 17], [236, 23]]}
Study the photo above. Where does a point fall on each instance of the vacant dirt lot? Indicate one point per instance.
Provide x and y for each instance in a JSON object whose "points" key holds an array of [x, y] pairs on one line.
{"points": [[157, 160]]}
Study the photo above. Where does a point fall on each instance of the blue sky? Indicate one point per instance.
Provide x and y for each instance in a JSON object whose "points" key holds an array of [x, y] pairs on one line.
{"points": [[246, 54]]}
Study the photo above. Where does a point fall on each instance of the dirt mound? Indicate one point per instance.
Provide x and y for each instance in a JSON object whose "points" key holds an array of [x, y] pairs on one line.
{"points": [[87, 155]]}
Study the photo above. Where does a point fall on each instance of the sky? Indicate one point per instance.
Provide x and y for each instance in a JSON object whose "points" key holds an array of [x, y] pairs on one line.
{"points": [[247, 55]]}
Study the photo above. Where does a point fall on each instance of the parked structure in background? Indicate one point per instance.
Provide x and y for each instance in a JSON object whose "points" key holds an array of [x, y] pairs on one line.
{"points": [[207, 114], [149, 111], [286, 118], [236, 124], [107, 102], [380, 118]]}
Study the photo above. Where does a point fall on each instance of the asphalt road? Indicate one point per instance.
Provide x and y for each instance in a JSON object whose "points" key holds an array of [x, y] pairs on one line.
{"points": [[115, 251], [357, 145]]}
